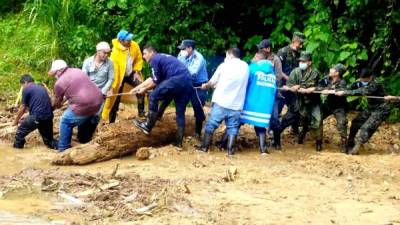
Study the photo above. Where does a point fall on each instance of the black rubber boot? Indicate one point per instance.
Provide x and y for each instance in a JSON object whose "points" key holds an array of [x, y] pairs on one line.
{"points": [[231, 145], [343, 145], [318, 145], [140, 106], [179, 137], [300, 138], [262, 144], [147, 125], [277, 140], [162, 109], [18, 145], [199, 127], [354, 150], [221, 144], [205, 144]]}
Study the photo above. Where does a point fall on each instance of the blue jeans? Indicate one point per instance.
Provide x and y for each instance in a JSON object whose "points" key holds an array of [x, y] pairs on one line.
{"points": [[219, 114], [68, 121]]}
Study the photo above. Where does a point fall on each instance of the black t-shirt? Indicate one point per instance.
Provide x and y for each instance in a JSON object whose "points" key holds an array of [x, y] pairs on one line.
{"points": [[36, 98]]}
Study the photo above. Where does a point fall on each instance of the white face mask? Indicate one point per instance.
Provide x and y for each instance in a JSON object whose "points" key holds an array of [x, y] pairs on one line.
{"points": [[303, 65], [184, 53]]}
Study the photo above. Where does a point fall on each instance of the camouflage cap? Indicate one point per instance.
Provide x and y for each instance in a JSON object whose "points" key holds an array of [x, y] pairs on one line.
{"points": [[340, 68], [300, 36], [305, 56]]}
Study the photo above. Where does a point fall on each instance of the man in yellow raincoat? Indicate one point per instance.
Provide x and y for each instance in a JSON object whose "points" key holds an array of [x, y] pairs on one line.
{"points": [[128, 63]]}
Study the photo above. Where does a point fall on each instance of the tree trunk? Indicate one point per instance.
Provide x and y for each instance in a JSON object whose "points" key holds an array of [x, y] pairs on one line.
{"points": [[120, 139]]}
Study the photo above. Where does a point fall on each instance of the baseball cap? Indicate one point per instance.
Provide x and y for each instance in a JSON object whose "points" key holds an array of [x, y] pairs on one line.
{"points": [[340, 68], [305, 56], [299, 36], [264, 44], [187, 43], [57, 65], [124, 35], [103, 46]]}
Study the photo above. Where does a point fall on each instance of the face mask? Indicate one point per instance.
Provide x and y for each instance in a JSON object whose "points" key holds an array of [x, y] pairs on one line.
{"points": [[303, 66], [364, 83], [184, 53]]}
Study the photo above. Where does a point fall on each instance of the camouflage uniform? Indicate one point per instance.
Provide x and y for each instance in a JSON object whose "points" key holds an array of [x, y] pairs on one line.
{"points": [[289, 58], [336, 105], [368, 121], [307, 105]]}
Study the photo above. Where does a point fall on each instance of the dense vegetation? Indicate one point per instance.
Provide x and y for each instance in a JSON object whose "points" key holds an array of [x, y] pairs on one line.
{"points": [[357, 33]]}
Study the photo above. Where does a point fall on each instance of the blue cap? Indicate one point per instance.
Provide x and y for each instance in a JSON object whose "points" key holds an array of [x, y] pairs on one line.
{"points": [[264, 44], [124, 35], [187, 43]]}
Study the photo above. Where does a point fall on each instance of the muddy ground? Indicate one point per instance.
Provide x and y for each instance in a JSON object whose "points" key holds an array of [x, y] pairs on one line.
{"points": [[293, 186]]}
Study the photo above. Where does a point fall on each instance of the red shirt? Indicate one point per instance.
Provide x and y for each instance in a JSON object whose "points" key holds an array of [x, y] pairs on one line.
{"points": [[83, 96]]}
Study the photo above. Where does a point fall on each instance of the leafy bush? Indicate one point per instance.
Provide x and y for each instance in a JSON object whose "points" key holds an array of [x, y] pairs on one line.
{"points": [[24, 48]]}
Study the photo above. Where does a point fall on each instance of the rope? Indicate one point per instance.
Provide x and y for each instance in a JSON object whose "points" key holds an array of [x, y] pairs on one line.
{"points": [[321, 92], [149, 91]]}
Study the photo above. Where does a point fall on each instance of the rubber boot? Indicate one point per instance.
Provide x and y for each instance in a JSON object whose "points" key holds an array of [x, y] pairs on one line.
{"points": [[354, 150], [262, 144], [350, 139], [161, 110], [231, 145], [277, 140], [300, 137], [140, 106], [295, 129], [179, 138], [343, 145], [205, 144], [148, 124], [221, 144], [198, 128], [318, 145]]}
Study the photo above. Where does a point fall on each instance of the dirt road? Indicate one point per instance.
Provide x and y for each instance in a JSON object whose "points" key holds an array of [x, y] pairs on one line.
{"points": [[296, 186]]}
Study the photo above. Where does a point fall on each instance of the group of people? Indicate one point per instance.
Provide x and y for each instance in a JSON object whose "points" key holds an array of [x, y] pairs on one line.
{"points": [[244, 93]]}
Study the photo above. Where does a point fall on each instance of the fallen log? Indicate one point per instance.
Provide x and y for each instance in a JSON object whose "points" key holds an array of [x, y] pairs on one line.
{"points": [[121, 138]]}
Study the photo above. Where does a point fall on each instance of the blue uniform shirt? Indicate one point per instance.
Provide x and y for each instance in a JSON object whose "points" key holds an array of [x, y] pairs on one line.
{"points": [[197, 67], [36, 98], [165, 66], [260, 94]]}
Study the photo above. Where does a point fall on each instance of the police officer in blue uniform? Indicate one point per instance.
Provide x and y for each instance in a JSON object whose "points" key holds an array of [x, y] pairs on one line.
{"points": [[196, 64], [171, 81]]}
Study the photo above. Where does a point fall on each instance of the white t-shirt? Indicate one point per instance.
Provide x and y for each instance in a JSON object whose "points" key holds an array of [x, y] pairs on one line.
{"points": [[230, 81]]}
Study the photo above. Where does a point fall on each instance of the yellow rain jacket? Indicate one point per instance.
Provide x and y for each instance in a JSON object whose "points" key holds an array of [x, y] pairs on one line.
{"points": [[119, 58]]}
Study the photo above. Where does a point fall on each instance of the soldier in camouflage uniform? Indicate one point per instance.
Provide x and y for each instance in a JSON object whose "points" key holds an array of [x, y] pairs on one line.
{"points": [[289, 56], [336, 105], [303, 81], [368, 121]]}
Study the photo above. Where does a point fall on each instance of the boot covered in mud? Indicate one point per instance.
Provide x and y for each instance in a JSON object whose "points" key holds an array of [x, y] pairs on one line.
{"points": [[262, 144], [222, 143], [277, 140], [343, 145], [206, 142], [301, 136], [179, 138], [231, 145], [148, 124], [198, 128], [355, 149], [318, 145]]}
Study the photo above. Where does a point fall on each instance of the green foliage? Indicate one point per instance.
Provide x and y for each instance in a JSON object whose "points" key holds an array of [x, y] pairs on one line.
{"points": [[355, 33], [24, 48]]}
